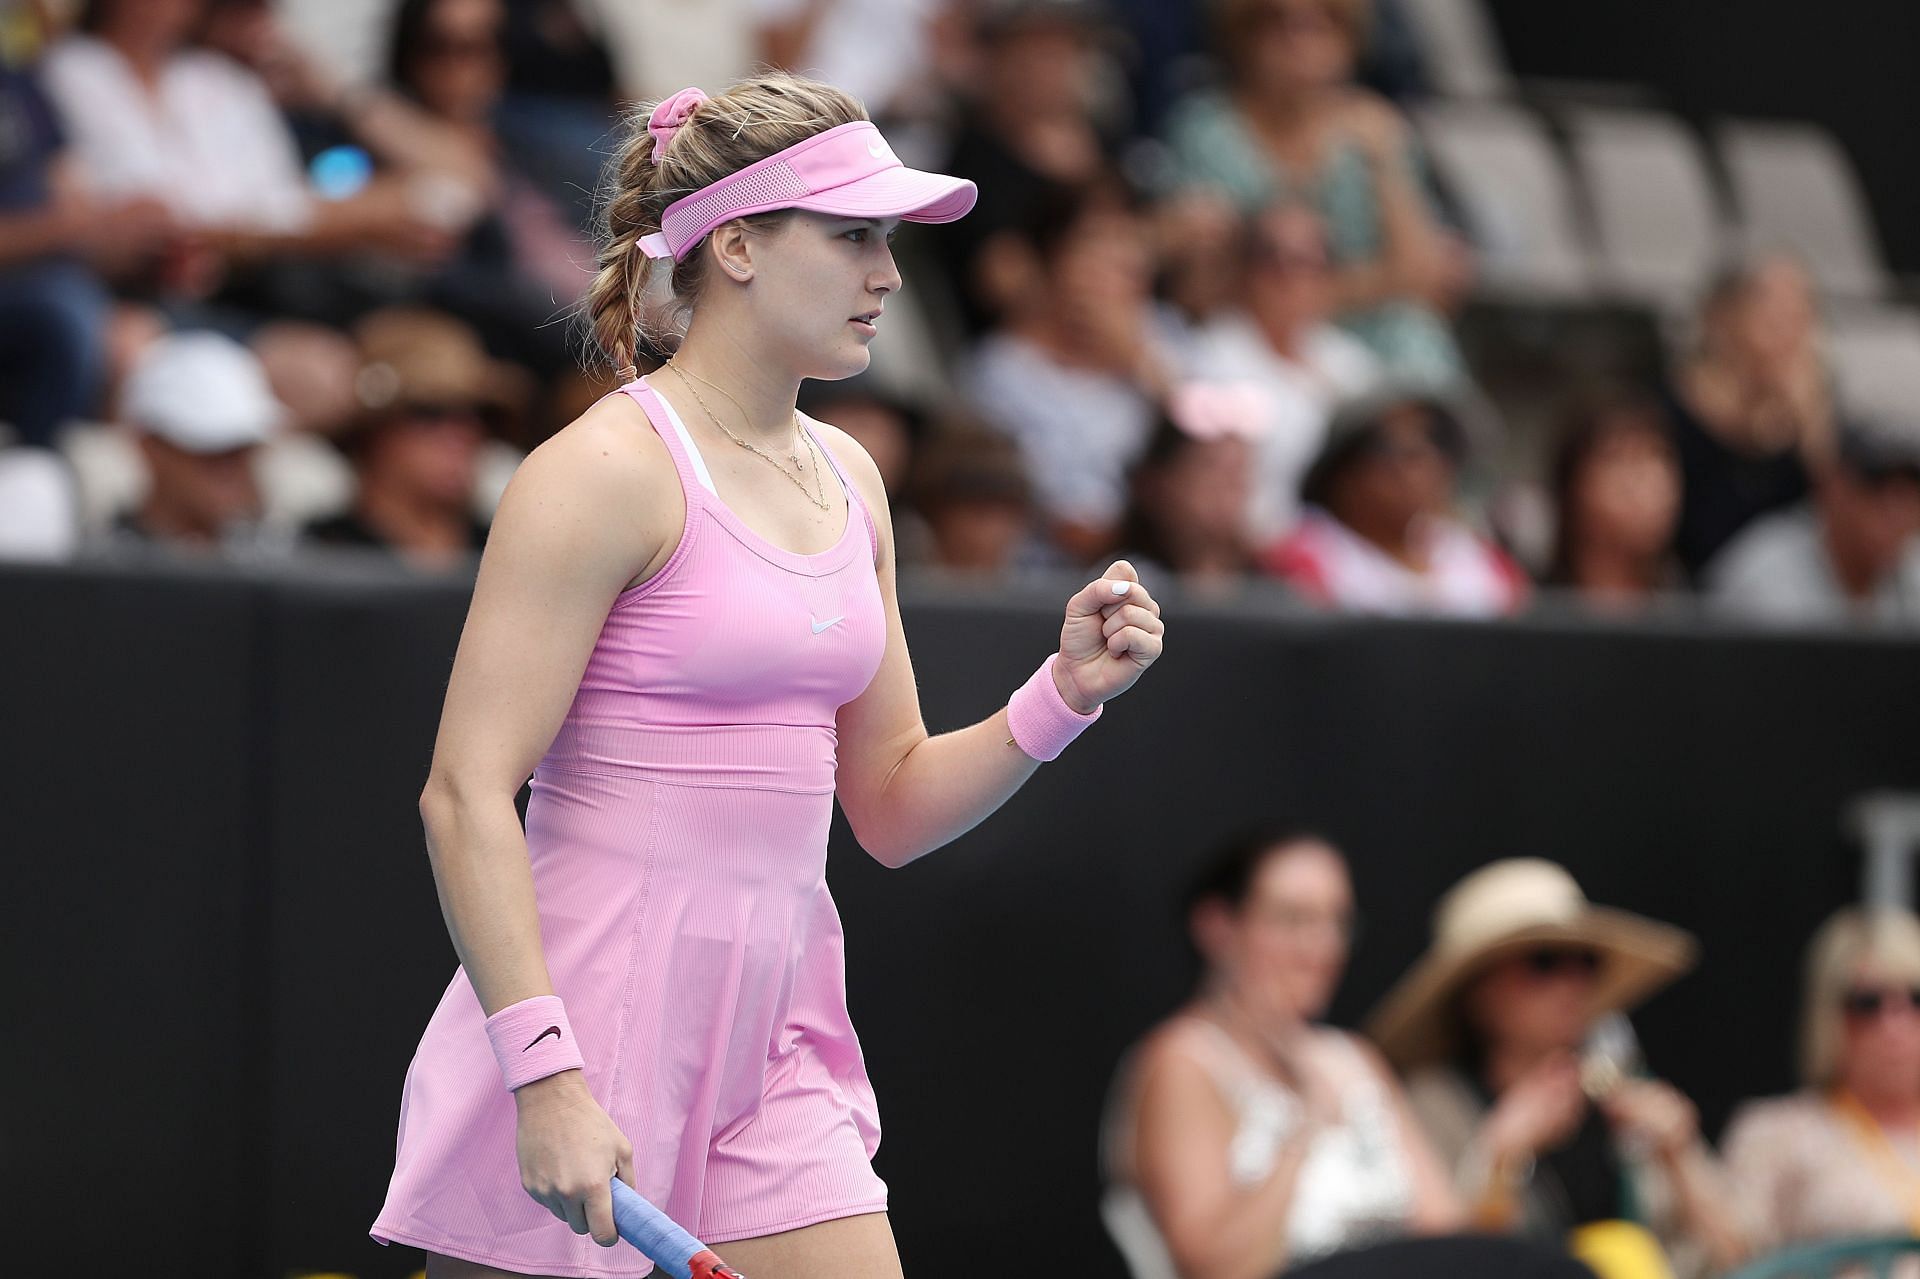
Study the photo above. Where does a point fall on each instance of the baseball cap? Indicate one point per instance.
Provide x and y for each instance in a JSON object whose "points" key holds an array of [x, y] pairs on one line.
{"points": [[202, 392]]}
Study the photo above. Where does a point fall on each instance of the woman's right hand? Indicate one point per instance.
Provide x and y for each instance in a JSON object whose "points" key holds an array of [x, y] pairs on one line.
{"points": [[569, 1150], [1538, 1111]]}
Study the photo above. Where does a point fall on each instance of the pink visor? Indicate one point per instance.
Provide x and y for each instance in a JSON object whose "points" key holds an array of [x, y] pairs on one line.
{"points": [[849, 170]]}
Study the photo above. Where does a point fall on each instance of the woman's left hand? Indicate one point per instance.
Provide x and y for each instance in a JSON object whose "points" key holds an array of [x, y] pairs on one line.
{"points": [[1112, 633], [1656, 1113]]}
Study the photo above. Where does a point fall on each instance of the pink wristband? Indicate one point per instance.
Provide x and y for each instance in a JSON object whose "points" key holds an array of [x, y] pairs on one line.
{"points": [[1039, 718], [531, 1040]]}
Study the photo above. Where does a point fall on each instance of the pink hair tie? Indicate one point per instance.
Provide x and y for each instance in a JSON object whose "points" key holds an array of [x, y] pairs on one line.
{"points": [[669, 116]]}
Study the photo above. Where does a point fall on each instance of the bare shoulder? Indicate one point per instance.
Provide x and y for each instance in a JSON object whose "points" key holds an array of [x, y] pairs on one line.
{"points": [[1334, 1044], [607, 475], [612, 441], [1179, 1045]]}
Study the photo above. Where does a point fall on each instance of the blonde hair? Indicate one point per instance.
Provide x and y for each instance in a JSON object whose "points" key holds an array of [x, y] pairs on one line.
{"points": [[1886, 938], [750, 121]]}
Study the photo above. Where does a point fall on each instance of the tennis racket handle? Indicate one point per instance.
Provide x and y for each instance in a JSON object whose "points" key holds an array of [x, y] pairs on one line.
{"points": [[669, 1247]]}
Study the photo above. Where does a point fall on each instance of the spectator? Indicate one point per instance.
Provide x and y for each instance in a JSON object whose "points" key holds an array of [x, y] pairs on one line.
{"points": [[1029, 137], [200, 406], [1282, 342], [561, 95], [1835, 1160], [153, 117], [1850, 554], [1074, 373], [1490, 1024], [1192, 489], [885, 427], [54, 240], [1752, 407], [877, 50], [524, 263], [1616, 491], [1290, 122], [427, 391], [1243, 1137], [324, 110], [1378, 534], [973, 502]]}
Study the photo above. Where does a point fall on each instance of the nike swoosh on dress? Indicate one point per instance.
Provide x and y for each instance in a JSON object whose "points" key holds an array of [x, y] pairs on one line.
{"points": [[821, 626]]}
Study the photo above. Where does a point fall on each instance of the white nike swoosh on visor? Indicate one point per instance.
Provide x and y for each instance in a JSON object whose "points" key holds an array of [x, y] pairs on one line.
{"points": [[821, 626], [878, 152]]}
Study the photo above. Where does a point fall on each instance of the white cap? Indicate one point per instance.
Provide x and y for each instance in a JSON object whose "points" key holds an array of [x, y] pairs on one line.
{"points": [[202, 392]]}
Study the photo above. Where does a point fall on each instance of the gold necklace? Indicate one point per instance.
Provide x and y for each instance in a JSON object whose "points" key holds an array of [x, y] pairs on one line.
{"points": [[819, 497], [793, 455]]}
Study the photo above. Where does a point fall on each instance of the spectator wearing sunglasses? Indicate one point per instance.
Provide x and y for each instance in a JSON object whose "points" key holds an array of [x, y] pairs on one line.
{"points": [[1841, 1157], [429, 397], [1546, 1134]]}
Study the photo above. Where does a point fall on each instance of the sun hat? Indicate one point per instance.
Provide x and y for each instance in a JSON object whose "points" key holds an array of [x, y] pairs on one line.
{"points": [[414, 356], [1507, 908], [848, 170], [202, 392]]}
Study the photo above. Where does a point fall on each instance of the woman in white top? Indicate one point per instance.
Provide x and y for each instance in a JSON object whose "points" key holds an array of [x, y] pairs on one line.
{"points": [[1241, 1137]]}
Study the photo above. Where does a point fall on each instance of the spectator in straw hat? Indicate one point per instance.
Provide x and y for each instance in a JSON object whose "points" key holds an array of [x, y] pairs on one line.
{"points": [[1544, 1139], [428, 396]]}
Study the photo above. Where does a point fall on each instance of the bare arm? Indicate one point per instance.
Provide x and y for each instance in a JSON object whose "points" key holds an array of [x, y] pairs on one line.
{"points": [[905, 793], [589, 510], [565, 540], [1183, 1130], [1413, 254], [1436, 1209]]}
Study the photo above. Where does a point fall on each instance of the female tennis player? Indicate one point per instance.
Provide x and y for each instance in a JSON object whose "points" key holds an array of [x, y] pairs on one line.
{"points": [[685, 630]]}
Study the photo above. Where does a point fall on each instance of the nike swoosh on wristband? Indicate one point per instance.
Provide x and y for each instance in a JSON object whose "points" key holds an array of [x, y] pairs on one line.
{"points": [[821, 626], [551, 1030]]}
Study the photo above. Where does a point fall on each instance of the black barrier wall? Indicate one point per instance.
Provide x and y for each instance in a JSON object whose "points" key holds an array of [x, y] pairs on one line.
{"points": [[223, 921]]}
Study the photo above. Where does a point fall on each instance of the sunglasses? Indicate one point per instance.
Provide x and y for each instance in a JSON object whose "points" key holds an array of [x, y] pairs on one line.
{"points": [[1866, 1003], [1560, 961]]}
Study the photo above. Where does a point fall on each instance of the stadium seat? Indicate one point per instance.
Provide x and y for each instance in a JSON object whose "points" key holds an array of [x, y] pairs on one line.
{"points": [[1796, 189], [1460, 48], [1661, 226], [1514, 192]]}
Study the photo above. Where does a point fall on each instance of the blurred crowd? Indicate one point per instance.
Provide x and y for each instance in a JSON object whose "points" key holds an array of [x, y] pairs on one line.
{"points": [[258, 299], [1499, 1089]]}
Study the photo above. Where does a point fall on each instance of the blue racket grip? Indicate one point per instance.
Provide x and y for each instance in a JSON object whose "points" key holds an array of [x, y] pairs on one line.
{"points": [[653, 1232]]}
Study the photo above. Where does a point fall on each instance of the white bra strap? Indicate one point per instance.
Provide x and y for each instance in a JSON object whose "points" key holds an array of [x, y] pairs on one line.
{"points": [[694, 459]]}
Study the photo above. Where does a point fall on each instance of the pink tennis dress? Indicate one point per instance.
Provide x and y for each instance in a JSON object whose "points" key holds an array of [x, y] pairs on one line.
{"points": [[678, 836]]}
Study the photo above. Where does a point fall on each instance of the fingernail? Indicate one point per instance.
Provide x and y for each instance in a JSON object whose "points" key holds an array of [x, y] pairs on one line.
{"points": [[1120, 588]]}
